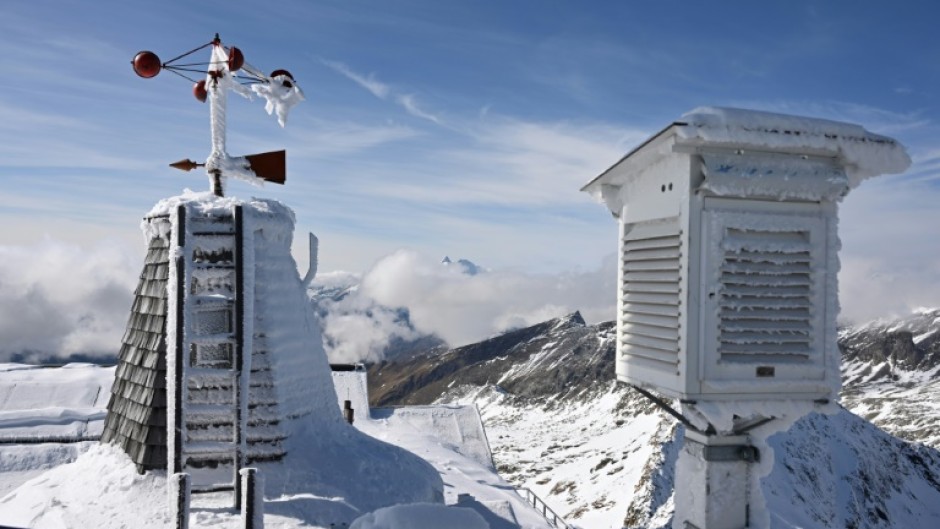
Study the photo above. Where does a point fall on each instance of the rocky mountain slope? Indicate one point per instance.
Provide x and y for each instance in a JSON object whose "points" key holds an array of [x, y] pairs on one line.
{"points": [[603, 456], [891, 374]]}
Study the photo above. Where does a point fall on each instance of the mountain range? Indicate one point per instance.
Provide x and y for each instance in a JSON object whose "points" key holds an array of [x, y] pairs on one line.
{"points": [[601, 455]]}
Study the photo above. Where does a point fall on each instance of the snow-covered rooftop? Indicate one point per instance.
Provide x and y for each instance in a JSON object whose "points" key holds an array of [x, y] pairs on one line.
{"points": [[862, 153]]}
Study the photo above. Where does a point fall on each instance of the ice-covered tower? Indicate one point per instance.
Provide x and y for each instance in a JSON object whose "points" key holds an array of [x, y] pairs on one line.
{"points": [[194, 386], [218, 297], [727, 296], [221, 366]]}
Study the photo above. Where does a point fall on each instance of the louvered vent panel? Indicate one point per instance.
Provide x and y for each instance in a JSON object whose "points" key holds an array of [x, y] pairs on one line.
{"points": [[650, 317], [765, 305]]}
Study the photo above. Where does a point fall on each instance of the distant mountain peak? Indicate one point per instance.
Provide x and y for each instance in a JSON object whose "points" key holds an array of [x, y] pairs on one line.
{"points": [[465, 265], [573, 318], [903, 348]]}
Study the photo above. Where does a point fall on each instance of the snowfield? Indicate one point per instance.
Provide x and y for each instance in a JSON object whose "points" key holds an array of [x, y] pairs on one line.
{"points": [[600, 458], [54, 485]]}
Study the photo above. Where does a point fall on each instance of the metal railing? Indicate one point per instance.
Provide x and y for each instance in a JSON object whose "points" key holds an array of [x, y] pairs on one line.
{"points": [[43, 439], [542, 507]]}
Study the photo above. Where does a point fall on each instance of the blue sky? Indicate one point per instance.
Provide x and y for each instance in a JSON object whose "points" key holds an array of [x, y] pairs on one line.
{"points": [[458, 128]]}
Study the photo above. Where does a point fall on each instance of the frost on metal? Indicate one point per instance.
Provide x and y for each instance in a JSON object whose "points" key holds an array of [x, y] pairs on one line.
{"points": [[247, 379], [729, 253], [863, 154]]}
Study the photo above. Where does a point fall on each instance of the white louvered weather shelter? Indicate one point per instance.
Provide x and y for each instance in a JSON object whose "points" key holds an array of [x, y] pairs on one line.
{"points": [[728, 246]]}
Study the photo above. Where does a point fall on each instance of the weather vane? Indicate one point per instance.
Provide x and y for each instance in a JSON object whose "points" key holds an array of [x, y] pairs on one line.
{"points": [[227, 70]]}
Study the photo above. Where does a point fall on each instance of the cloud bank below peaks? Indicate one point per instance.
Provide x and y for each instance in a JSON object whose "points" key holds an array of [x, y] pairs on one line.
{"points": [[59, 299], [405, 296]]}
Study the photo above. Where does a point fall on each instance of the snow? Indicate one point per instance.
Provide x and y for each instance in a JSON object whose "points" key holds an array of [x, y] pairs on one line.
{"points": [[600, 458], [421, 516], [463, 475], [281, 93], [331, 473], [588, 460], [459, 428], [85, 494], [40, 403], [351, 386], [863, 153], [774, 178]]}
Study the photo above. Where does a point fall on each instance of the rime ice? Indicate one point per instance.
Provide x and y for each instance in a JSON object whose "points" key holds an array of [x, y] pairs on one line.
{"points": [[728, 296]]}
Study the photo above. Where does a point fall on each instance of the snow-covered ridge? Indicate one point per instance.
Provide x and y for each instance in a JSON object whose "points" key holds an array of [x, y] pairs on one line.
{"points": [[602, 456], [902, 350]]}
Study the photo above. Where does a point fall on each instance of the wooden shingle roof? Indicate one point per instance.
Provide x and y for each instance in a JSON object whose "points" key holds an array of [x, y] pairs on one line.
{"points": [[136, 419]]}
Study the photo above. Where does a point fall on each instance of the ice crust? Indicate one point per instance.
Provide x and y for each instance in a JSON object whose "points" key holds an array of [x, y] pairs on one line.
{"points": [[863, 153], [773, 178], [280, 92]]}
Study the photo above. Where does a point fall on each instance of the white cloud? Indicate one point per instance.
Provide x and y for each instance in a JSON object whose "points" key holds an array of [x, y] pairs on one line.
{"points": [[341, 138], [58, 299], [457, 307], [890, 258], [383, 91], [357, 329], [514, 162], [410, 104], [369, 82]]}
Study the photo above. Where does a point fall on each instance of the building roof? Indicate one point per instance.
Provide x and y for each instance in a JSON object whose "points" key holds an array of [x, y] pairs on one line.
{"points": [[136, 418], [862, 153]]}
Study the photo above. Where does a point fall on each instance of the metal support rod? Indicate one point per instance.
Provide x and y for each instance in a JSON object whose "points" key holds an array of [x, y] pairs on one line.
{"points": [[216, 177], [180, 342], [669, 409]]}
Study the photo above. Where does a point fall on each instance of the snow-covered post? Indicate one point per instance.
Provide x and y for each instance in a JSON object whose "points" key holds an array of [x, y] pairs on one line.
{"points": [[179, 493], [252, 509], [243, 349], [175, 341], [712, 476], [217, 108]]}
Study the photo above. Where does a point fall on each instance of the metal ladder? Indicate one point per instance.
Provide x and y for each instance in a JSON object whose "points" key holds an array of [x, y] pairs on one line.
{"points": [[211, 367]]}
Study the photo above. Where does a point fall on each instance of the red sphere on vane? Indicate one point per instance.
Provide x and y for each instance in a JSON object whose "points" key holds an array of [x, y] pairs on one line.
{"points": [[146, 64], [199, 91], [235, 59], [285, 83], [276, 73]]}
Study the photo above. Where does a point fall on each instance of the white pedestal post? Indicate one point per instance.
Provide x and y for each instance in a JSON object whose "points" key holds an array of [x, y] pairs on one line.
{"points": [[252, 507], [179, 494], [713, 482]]}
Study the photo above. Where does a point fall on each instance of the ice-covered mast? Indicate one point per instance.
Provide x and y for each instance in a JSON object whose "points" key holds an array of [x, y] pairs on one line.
{"points": [[227, 70]]}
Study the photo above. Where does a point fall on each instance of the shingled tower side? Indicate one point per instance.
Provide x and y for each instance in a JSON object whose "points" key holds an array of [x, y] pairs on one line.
{"points": [[136, 419]]}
